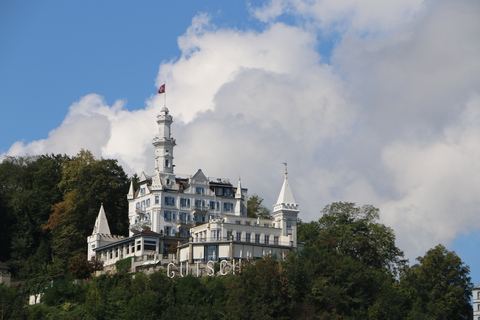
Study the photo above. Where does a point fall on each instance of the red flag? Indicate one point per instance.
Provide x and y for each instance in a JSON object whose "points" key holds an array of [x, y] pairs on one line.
{"points": [[161, 89]]}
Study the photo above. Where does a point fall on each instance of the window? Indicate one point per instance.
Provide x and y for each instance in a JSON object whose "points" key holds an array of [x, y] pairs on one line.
{"points": [[275, 240], [180, 216], [173, 217], [128, 249], [138, 205], [211, 253], [157, 199], [150, 244], [289, 223], [200, 190], [238, 222], [247, 237], [142, 191], [212, 205], [169, 201], [200, 204], [148, 202], [267, 239], [167, 215], [167, 230], [228, 207], [184, 202], [216, 234], [257, 238], [239, 236], [229, 234]]}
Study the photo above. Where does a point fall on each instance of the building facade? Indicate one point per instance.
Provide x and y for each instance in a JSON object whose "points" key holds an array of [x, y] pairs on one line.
{"points": [[476, 302], [175, 218]]}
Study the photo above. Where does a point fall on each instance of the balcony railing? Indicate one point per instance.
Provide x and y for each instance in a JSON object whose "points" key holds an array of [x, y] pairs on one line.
{"points": [[140, 226], [243, 240]]}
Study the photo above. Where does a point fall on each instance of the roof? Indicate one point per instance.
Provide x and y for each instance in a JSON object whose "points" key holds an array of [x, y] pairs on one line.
{"points": [[101, 223], [199, 176], [286, 195]]}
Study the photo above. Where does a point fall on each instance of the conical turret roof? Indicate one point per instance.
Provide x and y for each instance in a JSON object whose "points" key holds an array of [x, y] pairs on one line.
{"points": [[101, 224]]}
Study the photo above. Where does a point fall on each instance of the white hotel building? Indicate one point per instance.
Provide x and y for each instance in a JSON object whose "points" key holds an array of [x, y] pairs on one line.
{"points": [[192, 218]]}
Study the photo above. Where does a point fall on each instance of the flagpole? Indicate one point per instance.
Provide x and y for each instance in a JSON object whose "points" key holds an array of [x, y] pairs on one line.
{"points": [[165, 95]]}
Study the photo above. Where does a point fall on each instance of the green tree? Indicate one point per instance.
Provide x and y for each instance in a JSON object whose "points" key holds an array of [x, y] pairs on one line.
{"points": [[255, 209], [11, 304], [28, 189], [356, 232], [439, 286], [260, 291], [331, 285], [86, 183]]}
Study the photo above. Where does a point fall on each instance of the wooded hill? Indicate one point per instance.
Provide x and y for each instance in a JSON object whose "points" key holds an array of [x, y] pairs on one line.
{"points": [[350, 267]]}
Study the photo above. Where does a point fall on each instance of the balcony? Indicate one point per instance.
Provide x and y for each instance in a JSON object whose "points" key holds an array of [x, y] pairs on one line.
{"points": [[140, 210], [140, 226]]}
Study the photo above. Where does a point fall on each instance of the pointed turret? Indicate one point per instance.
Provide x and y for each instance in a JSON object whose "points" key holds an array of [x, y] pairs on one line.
{"points": [[285, 198], [285, 213], [101, 224], [238, 194], [239, 198], [131, 191]]}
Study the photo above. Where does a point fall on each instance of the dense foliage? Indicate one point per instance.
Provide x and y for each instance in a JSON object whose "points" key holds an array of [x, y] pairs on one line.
{"points": [[350, 267], [48, 206]]}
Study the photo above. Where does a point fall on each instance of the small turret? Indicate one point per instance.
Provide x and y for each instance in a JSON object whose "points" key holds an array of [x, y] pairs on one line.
{"points": [[131, 191], [239, 199], [101, 224], [285, 213]]}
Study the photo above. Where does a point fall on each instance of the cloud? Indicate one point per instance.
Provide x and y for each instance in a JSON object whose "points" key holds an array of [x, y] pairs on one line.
{"points": [[351, 16], [107, 131], [436, 182], [391, 122]]}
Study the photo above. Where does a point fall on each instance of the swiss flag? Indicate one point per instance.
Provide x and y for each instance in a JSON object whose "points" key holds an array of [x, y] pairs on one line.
{"points": [[161, 89]]}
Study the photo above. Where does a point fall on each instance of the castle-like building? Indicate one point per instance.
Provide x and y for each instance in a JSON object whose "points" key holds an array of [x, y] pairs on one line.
{"points": [[192, 219]]}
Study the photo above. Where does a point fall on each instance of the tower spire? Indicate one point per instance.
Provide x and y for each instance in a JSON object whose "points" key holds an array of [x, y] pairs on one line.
{"points": [[101, 224]]}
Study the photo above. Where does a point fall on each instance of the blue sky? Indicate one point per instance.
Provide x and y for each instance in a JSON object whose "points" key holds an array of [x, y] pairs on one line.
{"points": [[372, 103]]}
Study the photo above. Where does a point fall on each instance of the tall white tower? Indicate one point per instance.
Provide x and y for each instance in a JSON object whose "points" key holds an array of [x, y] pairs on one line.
{"points": [[164, 143], [285, 213]]}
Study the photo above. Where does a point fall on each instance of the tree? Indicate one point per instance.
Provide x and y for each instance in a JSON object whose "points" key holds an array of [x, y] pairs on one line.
{"points": [[86, 183], [356, 232], [28, 189], [11, 304], [260, 291], [255, 209], [438, 286]]}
